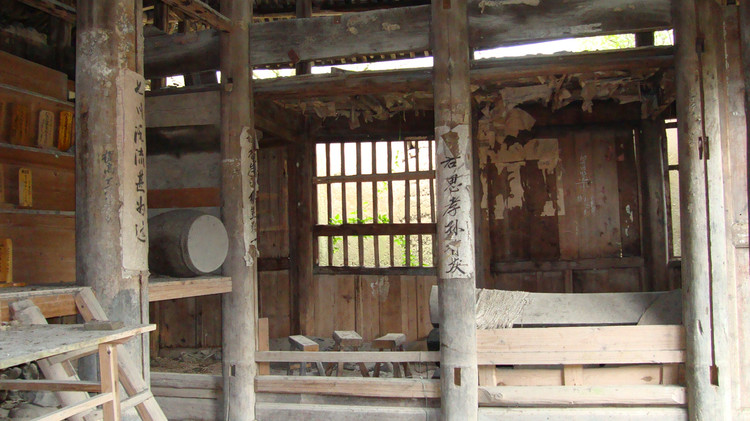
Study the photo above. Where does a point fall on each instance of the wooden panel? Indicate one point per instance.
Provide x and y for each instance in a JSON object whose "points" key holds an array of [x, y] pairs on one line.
{"points": [[627, 177], [274, 302], [390, 306], [33, 77], [424, 323], [41, 238], [208, 317], [177, 326], [368, 306]]}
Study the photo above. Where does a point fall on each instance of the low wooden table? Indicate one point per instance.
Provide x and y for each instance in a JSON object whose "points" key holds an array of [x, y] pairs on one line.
{"points": [[26, 343]]}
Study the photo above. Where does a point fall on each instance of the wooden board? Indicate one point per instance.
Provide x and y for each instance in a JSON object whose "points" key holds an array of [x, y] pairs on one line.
{"points": [[25, 74], [21, 344], [53, 175], [161, 289]]}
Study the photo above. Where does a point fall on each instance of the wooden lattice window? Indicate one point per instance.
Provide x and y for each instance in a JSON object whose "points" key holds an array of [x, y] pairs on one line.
{"points": [[375, 204]]}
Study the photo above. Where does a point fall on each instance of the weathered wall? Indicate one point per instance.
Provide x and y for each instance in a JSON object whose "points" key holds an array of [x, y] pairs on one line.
{"points": [[552, 194]]}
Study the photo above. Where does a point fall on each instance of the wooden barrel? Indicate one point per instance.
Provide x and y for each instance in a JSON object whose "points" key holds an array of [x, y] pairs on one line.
{"points": [[186, 243]]}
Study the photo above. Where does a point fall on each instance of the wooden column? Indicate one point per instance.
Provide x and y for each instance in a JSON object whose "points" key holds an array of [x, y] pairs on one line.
{"points": [[455, 214], [301, 258], [696, 270], [239, 148], [737, 53], [111, 224], [652, 146]]}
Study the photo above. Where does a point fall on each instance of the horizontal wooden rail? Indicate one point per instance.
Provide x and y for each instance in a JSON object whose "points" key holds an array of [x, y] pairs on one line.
{"points": [[51, 385], [660, 395], [344, 357], [375, 229], [563, 265], [369, 178]]}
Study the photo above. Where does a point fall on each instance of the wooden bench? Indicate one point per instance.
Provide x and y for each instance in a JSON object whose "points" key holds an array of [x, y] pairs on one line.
{"points": [[347, 339], [303, 343], [392, 342]]}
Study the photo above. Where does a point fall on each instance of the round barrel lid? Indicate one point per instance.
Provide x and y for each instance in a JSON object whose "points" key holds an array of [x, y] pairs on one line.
{"points": [[207, 244]]}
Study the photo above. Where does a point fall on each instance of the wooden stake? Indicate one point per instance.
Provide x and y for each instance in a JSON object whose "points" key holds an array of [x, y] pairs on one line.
{"points": [[455, 215], [239, 149]]}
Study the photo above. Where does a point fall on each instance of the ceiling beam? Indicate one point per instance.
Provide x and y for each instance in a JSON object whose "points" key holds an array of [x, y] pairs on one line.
{"points": [[406, 29], [54, 8], [202, 12], [482, 72]]}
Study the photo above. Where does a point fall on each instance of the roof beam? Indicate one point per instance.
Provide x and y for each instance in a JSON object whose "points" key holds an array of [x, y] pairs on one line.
{"points": [[407, 29], [54, 8], [202, 12], [482, 72]]}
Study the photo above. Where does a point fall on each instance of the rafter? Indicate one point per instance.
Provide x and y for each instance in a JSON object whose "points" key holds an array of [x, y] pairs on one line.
{"points": [[54, 8]]}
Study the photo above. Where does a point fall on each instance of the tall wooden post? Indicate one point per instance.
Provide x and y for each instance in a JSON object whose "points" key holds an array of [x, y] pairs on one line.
{"points": [[239, 148], [111, 224], [455, 204], [300, 188], [300, 166], [652, 144], [696, 267]]}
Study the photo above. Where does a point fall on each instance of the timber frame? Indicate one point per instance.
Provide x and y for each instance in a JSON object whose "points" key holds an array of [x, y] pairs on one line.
{"points": [[546, 173]]}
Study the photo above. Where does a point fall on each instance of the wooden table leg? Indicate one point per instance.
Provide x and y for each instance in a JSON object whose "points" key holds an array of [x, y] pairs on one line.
{"points": [[110, 384]]}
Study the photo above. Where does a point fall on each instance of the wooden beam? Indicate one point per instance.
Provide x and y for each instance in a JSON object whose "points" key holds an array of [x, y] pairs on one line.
{"points": [[338, 386], [239, 186], [161, 289], [347, 356], [54, 8], [374, 229], [482, 72], [51, 385], [563, 265], [406, 29], [201, 11]]}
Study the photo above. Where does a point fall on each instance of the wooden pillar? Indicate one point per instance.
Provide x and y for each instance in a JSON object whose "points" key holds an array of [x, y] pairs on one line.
{"points": [[652, 145], [737, 53], [300, 188], [111, 224], [301, 258], [239, 149], [455, 214], [696, 269]]}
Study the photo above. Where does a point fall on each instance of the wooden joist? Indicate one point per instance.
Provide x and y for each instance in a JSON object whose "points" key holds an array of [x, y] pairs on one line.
{"points": [[374, 229], [603, 263], [350, 386], [406, 29], [202, 12], [54, 8]]}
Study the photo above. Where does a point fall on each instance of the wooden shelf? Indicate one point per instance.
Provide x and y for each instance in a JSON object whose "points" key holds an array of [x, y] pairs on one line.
{"points": [[161, 289]]}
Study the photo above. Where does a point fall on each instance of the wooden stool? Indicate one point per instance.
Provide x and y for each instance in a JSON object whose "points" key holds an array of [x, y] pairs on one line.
{"points": [[392, 342], [303, 343], [347, 339]]}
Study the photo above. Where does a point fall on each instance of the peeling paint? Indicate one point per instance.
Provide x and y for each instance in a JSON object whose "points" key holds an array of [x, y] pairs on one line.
{"points": [[390, 27]]}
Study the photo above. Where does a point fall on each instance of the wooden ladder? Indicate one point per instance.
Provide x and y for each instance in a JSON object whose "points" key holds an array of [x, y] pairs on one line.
{"points": [[60, 368]]}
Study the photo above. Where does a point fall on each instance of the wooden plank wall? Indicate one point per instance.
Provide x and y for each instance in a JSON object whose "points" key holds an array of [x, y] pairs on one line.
{"points": [[273, 240], [373, 305], [562, 194]]}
